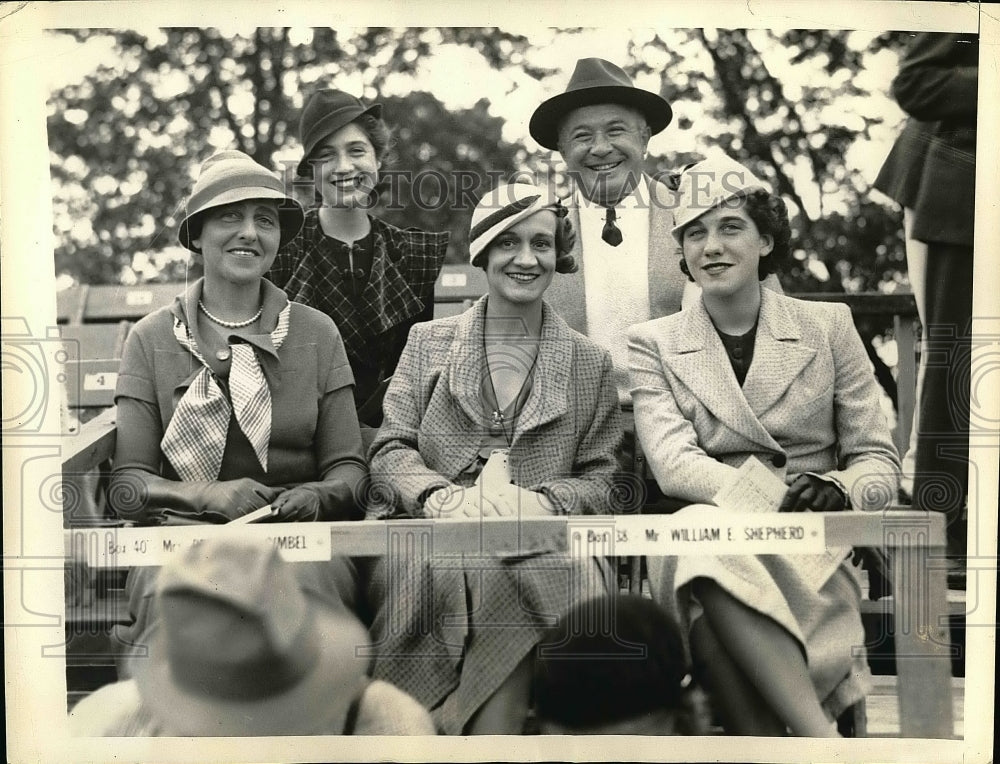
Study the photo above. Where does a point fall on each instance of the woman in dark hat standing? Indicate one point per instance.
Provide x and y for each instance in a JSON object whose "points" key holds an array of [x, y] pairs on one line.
{"points": [[373, 279], [212, 425]]}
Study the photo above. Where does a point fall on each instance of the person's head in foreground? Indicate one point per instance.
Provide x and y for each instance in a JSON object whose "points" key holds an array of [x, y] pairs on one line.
{"points": [[732, 230], [520, 236], [601, 126], [616, 666], [242, 650]]}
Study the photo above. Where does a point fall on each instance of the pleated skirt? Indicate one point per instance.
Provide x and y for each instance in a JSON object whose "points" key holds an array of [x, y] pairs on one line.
{"points": [[450, 629]]}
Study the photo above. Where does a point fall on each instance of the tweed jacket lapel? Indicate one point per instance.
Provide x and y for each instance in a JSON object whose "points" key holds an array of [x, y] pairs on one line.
{"points": [[699, 349], [778, 357], [548, 399], [467, 360]]}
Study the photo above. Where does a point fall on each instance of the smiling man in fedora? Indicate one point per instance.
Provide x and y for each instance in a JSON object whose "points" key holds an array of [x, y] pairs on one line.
{"points": [[629, 264]]}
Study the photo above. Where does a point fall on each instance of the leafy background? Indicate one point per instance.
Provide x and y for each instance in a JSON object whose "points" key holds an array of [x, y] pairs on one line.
{"points": [[126, 138], [134, 113]]}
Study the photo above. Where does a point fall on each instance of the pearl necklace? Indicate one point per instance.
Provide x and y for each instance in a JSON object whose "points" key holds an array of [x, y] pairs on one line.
{"points": [[231, 324]]}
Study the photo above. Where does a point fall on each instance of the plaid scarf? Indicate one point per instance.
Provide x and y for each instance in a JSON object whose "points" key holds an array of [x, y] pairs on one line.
{"points": [[195, 439]]}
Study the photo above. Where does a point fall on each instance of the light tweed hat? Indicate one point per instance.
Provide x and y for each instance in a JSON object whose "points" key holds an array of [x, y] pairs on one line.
{"points": [[710, 184], [232, 176]]}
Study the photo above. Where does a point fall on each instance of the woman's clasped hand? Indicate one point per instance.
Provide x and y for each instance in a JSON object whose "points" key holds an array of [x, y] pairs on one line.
{"points": [[231, 499], [509, 500]]}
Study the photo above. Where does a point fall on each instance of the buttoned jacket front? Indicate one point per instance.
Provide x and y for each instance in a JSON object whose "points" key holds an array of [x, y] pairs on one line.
{"points": [[810, 402], [565, 437]]}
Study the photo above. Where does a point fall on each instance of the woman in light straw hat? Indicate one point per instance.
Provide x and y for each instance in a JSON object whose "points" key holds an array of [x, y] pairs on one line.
{"points": [[502, 411], [373, 279], [747, 372], [234, 398]]}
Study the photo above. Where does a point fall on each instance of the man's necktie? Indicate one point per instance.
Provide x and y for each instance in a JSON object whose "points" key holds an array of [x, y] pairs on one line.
{"points": [[611, 233]]}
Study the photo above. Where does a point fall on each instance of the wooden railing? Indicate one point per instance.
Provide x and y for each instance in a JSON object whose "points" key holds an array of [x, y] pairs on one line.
{"points": [[98, 319], [914, 540]]}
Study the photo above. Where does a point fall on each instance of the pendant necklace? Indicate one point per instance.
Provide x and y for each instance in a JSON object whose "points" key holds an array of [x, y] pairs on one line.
{"points": [[497, 417]]}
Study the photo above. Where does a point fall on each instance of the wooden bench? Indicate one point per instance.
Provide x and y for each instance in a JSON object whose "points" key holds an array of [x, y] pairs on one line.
{"points": [[457, 287], [98, 319], [879, 308], [914, 539], [95, 320], [921, 646]]}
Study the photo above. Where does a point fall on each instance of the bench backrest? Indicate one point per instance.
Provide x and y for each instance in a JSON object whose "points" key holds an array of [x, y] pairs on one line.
{"points": [[97, 319]]}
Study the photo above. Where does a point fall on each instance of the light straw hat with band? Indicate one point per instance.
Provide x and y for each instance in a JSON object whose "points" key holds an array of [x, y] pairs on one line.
{"points": [[710, 184], [325, 113], [240, 650], [232, 176], [503, 208]]}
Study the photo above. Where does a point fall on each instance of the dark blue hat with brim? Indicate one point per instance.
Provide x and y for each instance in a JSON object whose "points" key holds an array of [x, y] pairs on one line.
{"points": [[325, 113]]}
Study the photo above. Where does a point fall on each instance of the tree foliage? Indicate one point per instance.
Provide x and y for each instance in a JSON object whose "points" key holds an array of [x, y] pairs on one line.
{"points": [[843, 240], [126, 141]]}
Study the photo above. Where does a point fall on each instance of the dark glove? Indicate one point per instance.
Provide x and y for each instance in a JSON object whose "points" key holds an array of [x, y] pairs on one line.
{"points": [[811, 492], [323, 500], [234, 498]]}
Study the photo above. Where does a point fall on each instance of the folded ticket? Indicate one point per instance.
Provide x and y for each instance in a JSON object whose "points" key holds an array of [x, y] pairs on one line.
{"points": [[252, 517]]}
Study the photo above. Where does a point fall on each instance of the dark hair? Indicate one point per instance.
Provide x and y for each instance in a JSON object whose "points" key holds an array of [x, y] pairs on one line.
{"points": [[769, 213], [193, 225], [378, 133], [626, 646], [565, 240]]}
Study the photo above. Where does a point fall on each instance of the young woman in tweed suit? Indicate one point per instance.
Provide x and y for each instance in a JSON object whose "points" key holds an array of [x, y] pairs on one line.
{"points": [[501, 411], [746, 372]]}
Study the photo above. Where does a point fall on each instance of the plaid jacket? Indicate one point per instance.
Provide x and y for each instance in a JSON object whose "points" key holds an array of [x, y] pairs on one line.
{"points": [[398, 294], [565, 438]]}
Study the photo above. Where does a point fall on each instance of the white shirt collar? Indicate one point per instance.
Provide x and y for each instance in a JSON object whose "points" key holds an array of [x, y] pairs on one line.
{"points": [[637, 200]]}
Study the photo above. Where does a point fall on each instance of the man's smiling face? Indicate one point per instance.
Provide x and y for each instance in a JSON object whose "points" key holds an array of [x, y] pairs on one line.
{"points": [[603, 146]]}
